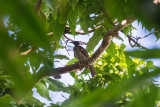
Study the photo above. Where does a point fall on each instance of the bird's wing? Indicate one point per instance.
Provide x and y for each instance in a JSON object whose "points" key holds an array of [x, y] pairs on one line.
{"points": [[85, 53]]}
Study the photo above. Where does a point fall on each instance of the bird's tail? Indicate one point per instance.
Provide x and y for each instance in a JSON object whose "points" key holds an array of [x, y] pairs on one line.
{"points": [[92, 70]]}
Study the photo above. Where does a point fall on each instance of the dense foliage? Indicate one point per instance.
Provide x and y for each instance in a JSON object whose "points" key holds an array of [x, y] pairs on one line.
{"points": [[31, 32]]}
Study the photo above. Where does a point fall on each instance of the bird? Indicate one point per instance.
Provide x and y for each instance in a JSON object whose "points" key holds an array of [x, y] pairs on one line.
{"points": [[80, 53]]}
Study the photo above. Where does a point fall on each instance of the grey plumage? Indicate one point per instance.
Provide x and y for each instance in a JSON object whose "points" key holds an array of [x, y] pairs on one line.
{"points": [[81, 53]]}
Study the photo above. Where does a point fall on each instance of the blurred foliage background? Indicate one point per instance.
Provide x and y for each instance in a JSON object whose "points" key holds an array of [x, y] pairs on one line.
{"points": [[27, 53]]}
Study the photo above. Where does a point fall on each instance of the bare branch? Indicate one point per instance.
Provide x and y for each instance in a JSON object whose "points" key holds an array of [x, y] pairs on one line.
{"points": [[26, 52], [107, 38], [135, 40], [66, 42], [86, 62], [38, 5], [136, 44], [67, 37], [147, 35], [77, 32], [50, 33]]}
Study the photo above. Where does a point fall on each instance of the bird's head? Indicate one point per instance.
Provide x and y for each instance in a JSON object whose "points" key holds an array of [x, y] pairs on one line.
{"points": [[75, 42]]}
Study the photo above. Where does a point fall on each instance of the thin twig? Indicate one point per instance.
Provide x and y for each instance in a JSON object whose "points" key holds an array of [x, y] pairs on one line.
{"points": [[66, 42], [147, 35], [68, 38], [77, 32], [135, 40], [26, 52], [136, 44]]}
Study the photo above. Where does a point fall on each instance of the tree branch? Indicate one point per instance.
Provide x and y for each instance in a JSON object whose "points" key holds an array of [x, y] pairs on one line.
{"points": [[135, 40], [77, 32], [131, 39], [26, 52], [67, 38], [85, 62], [38, 5], [56, 72]]}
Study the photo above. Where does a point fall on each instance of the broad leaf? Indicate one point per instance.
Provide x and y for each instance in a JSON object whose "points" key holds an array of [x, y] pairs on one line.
{"points": [[111, 93], [154, 53], [94, 40], [111, 50], [6, 101], [59, 56], [43, 90]]}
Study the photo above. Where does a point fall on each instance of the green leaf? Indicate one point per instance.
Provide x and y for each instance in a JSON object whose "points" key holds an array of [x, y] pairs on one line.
{"points": [[111, 93], [122, 46], [43, 90], [73, 3], [150, 97], [72, 19], [48, 3], [84, 22], [30, 100], [150, 64], [94, 40], [127, 30], [72, 61], [157, 34], [111, 50], [60, 23], [117, 10], [34, 62], [136, 60], [107, 25], [62, 9], [58, 30], [56, 85], [149, 17], [6, 101], [73, 74], [154, 53], [61, 57], [86, 71], [26, 21]]}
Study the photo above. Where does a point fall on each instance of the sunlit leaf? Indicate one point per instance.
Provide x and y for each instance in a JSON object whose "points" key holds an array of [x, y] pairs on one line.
{"points": [[111, 50], [111, 93]]}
